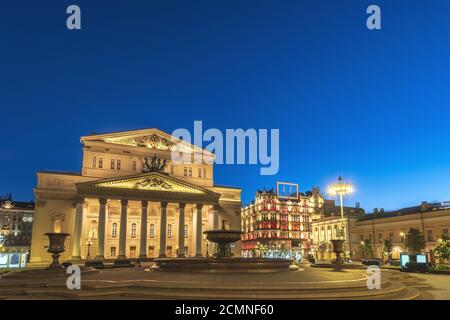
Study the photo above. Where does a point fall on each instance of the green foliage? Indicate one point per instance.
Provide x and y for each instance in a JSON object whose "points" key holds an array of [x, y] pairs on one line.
{"points": [[442, 250], [387, 246], [414, 241]]}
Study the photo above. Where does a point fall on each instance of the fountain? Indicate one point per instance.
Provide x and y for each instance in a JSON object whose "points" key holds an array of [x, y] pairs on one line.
{"points": [[223, 238], [56, 247], [223, 262]]}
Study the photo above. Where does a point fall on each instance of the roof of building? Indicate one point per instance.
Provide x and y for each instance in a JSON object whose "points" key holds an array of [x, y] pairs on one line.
{"points": [[69, 173], [9, 204], [423, 207]]}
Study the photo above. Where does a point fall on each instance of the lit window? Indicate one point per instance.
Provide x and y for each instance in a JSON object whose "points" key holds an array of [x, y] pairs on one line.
{"points": [[113, 164], [134, 165], [114, 229], [169, 231], [94, 162], [133, 229], [118, 164], [186, 231], [100, 162], [152, 231]]}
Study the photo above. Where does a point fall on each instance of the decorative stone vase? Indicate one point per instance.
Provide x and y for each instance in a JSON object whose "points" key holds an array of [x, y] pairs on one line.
{"points": [[338, 249], [56, 247]]}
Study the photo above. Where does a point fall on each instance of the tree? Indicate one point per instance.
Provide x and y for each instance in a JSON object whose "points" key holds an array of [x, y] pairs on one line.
{"points": [[366, 247], [322, 248], [387, 247], [414, 241], [443, 250]]}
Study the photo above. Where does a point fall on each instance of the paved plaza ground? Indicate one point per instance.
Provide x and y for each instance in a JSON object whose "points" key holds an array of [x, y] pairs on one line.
{"points": [[305, 283]]}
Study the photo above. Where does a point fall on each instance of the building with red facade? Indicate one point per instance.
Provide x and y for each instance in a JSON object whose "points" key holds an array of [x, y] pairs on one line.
{"points": [[276, 225]]}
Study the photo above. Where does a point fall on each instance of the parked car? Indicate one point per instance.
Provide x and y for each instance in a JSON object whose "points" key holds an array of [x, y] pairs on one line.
{"points": [[372, 262]]}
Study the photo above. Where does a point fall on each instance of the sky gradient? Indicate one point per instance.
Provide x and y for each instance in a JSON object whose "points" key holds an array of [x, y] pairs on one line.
{"points": [[372, 106]]}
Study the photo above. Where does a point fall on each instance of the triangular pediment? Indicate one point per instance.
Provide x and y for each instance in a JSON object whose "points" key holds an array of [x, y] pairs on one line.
{"points": [[147, 138], [151, 181]]}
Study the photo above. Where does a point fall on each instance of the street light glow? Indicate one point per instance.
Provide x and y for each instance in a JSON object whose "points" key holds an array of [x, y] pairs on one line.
{"points": [[340, 188]]}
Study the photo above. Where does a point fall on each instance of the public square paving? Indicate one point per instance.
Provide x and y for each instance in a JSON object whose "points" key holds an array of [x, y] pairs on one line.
{"points": [[142, 283]]}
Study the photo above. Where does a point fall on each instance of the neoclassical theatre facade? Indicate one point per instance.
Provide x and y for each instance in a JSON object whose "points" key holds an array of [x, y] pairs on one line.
{"points": [[130, 200]]}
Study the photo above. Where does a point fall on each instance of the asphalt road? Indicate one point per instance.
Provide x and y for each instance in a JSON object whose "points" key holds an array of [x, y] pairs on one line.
{"points": [[440, 284]]}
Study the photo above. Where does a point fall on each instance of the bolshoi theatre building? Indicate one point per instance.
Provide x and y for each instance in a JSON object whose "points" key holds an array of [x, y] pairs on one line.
{"points": [[131, 201]]}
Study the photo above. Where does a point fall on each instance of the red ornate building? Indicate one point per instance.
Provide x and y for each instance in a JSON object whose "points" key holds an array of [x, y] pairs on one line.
{"points": [[279, 226]]}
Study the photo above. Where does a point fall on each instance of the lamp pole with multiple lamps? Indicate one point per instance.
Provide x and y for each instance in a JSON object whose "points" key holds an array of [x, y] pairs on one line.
{"points": [[341, 189]]}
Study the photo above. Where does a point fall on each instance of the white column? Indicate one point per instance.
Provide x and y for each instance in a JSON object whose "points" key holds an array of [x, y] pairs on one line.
{"points": [[143, 240], [123, 229], [198, 235], [76, 242], [181, 253], [216, 217], [163, 231], [101, 228]]}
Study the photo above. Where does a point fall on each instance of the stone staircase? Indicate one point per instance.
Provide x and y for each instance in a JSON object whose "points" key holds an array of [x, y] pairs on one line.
{"points": [[395, 285]]}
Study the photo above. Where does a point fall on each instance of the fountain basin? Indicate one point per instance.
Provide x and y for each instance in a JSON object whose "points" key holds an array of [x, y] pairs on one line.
{"points": [[224, 265]]}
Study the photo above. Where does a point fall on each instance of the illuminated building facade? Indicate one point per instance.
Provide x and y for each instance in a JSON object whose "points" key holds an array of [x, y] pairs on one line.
{"points": [[131, 201], [431, 219], [279, 226], [16, 221]]}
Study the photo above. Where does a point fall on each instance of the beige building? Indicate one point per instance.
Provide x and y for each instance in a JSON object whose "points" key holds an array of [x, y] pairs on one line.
{"points": [[131, 200], [433, 220]]}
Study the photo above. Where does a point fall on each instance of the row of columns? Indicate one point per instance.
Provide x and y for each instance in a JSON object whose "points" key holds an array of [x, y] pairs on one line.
{"points": [[76, 247]]}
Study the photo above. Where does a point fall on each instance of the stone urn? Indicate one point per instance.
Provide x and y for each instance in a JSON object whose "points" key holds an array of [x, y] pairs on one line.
{"points": [[338, 245], [56, 247]]}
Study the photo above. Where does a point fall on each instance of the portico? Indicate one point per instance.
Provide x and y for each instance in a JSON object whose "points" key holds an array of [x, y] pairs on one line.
{"points": [[155, 190]]}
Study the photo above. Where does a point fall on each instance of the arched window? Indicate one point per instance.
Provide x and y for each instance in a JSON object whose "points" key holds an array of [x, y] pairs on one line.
{"points": [[186, 231], [152, 230], [114, 229], [169, 231], [133, 229]]}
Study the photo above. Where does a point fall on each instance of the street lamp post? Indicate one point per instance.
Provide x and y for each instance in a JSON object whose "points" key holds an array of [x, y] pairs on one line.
{"points": [[402, 237], [341, 188], [89, 243]]}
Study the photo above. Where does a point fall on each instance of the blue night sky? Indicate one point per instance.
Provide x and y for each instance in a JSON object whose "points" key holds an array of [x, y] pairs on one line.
{"points": [[370, 105]]}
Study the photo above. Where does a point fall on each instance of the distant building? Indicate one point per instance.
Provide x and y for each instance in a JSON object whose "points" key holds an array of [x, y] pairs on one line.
{"points": [[432, 219], [16, 223]]}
